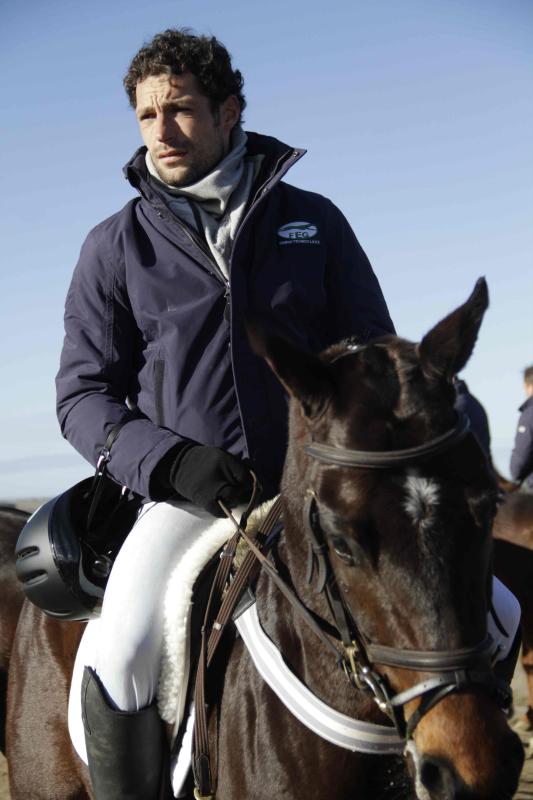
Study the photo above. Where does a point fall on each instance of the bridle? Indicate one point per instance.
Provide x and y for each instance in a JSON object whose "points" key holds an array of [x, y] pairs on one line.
{"points": [[390, 459], [451, 670]]}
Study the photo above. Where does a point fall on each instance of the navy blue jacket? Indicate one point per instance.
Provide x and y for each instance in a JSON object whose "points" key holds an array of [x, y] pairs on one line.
{"points": [[522, 455], [479, 422], [155, 336]]}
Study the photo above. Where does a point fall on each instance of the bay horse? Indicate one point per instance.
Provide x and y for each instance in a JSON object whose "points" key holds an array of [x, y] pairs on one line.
{"points": [[408, 550], [513, 564]]}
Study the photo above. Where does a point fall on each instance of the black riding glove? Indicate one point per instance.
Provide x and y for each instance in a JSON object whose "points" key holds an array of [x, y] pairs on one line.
{"points": [[205, 474]]}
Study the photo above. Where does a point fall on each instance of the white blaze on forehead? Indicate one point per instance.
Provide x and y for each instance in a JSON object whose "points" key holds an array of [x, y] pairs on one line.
{"points": [[422, 499]]}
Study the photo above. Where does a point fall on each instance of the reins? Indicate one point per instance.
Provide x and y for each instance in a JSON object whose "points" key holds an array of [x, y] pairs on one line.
{"points": [[218, 613]]}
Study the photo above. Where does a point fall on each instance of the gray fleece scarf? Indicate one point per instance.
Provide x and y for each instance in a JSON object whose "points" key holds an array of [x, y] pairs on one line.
{"points": [[214, 206]]}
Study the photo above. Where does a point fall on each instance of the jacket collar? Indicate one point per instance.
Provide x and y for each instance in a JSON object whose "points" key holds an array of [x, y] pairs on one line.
{"points": [[278, 158], [528, 402]]}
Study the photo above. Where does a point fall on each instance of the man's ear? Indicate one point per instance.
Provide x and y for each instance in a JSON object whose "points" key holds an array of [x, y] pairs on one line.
{"points": [[446, 348], [229, 111], [304, 376]]}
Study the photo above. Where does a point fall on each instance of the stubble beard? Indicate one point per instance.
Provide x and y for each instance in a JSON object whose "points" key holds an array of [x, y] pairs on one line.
{"points": [[199, 165]]}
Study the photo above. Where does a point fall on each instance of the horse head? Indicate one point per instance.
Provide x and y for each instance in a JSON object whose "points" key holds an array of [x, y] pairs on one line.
{"points": [[400, 498]]}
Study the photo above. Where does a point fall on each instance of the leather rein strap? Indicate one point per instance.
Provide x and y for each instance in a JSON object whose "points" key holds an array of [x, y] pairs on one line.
{"points": [[219, 610]]}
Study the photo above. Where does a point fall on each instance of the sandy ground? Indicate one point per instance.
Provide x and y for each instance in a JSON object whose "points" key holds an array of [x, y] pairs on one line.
{"points": [[525, 791]]}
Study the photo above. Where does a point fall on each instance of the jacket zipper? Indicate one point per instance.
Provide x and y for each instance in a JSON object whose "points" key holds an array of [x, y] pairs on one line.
{"points": [[259, 195], [263, 191], [196, 240], [217, 273]]}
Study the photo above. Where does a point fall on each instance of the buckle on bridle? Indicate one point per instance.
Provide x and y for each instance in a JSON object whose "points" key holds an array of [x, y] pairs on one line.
{"points": [[351, 666], [362, 676]]}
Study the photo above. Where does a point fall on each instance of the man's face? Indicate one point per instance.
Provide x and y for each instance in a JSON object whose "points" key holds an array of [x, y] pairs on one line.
{"points": [[184, 137]]}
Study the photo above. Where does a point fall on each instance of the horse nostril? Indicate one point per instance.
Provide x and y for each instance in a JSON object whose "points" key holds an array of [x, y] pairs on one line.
{"points": [[437, 777], [429, 774]]}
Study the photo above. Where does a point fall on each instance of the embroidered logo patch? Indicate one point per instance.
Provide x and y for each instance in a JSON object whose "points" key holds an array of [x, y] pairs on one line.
{"points": [[298, 233]]}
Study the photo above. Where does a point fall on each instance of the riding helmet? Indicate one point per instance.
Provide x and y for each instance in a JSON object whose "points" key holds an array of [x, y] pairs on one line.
{"points": [[57, 572]]}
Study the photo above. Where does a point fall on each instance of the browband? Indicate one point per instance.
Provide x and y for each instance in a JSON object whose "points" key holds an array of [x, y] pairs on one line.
{"points": [[388, 459]]}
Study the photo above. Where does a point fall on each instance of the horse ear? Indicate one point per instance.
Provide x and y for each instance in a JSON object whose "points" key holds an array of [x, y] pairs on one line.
{"points": [[304, 376], [446, 348]]}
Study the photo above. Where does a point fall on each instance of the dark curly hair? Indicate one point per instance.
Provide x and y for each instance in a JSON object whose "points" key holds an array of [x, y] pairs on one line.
{"points": [[176, 51]]}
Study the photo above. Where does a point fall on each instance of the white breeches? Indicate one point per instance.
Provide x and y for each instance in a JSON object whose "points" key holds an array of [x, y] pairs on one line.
{"points": [[128, 655]]}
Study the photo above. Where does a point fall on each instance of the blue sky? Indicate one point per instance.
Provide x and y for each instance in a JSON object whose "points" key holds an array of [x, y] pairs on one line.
{"points": [[418, 121]]}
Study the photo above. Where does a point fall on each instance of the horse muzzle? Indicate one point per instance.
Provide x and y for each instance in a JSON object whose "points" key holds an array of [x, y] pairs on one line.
{"points": [[465, 751]]}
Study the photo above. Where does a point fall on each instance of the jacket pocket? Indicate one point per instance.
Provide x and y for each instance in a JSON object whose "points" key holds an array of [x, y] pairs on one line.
{"points": [[159, 380]]}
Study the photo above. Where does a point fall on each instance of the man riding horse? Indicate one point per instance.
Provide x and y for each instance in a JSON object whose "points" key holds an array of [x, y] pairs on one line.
{"points": [[155, 342]]}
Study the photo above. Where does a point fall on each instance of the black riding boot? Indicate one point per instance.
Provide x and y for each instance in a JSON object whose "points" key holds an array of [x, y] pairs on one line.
{"points": [[126, 751]]}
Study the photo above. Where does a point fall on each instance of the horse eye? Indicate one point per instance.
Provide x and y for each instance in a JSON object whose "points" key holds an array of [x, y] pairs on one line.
{"points": [[342, 550]]}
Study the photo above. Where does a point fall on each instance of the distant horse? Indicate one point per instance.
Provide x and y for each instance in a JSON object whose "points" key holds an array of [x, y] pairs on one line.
{"points": [[394, 502], [513, 564]]}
